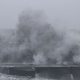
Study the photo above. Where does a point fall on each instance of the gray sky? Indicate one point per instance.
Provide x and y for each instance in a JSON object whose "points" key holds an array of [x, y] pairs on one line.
{"points": [[60, 13]]}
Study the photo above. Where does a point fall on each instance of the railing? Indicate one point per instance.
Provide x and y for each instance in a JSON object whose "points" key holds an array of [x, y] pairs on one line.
{"points": [[33, 69]]}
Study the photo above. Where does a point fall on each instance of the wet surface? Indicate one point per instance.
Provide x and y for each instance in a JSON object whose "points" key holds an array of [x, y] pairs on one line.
{"points": [[52, 73]]}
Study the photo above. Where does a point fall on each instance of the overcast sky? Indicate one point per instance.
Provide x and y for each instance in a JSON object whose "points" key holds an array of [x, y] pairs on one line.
{"points": [[61, 13]]}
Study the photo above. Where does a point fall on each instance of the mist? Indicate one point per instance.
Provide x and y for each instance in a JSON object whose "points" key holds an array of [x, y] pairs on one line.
{"points": [[62, 15]]}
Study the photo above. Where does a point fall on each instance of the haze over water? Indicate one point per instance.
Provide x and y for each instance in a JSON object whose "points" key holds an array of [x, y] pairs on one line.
{"points": [[61, 13]]}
